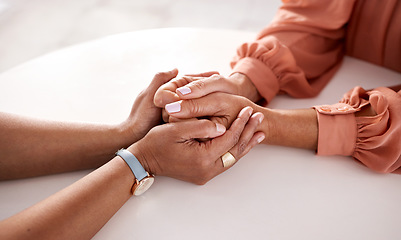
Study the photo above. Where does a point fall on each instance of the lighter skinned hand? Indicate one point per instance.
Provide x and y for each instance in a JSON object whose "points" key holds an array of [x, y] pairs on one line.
{"points": [[196, 87], [167, 92], [173, 150], [218, 107]]}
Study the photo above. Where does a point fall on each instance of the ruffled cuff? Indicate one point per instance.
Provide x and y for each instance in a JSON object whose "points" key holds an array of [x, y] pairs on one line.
{"points": [[373, 140], [337, 129], [270, 65]]}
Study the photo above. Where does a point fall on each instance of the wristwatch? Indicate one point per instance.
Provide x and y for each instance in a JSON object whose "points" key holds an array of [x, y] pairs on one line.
{"points": [[143, 180]]}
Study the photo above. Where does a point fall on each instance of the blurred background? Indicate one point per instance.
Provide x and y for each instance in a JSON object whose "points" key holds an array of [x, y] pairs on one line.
{"points": [[30, 28]]}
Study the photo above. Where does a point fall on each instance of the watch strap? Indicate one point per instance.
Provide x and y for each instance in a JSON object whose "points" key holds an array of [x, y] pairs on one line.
{"points": [[133, 163]]}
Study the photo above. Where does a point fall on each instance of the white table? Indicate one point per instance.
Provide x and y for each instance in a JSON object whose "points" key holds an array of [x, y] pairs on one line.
{"points": [[272, 193]]}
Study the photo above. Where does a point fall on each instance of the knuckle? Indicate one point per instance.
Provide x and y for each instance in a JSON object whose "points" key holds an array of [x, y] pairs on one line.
{"points": [[194, 108], [241, 147], [199, 84], [216, 76], [142, 94], [236, 136], [200, 181], [160, 75]]}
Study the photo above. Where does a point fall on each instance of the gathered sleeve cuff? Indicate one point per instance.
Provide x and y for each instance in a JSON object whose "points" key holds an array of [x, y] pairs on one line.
{"points": [[300, 50], [375, 141], [267, 65]]}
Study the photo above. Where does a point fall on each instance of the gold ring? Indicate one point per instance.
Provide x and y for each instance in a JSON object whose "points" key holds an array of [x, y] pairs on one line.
{"points": [[228, 159]]}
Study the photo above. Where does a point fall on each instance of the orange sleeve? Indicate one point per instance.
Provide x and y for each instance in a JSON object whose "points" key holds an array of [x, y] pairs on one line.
{"points": [[299, 51], [374, 141]]}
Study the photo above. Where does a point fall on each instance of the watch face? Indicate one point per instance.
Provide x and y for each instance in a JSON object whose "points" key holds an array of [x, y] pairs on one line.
{"points": [[143, 185]]}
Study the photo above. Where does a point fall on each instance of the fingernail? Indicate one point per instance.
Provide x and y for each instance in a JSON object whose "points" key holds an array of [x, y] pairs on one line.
{"points": [[261, 138], [220, 128], [173, 107], [245, 110], [184, 90], [260, 117]]}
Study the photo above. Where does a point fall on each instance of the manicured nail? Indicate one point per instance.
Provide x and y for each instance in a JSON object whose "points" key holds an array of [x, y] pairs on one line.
{"points": [[260, 117], [220, 128], [242, 112], [261, 138], [173, 107], [184, 90]]}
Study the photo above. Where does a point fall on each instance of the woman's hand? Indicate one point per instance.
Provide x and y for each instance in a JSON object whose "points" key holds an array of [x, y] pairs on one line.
{"points": [[173, 149], [144, 114], [191, 87], [167, 92], [219, 107]]}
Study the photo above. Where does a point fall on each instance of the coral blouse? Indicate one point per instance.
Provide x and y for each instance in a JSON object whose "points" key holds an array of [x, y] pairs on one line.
{"points": [[302, 48]]}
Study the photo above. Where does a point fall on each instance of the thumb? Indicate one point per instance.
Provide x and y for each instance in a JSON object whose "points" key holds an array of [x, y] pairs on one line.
{"points": [[199, 129], [161, 78], [205, 86], [210, 105]]}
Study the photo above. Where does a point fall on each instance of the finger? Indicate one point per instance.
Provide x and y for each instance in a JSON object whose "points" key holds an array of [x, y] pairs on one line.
{"points": [[248, 139], [173, 119], [165, 116], [204, 74], [205, 86], [161, 78], [233, 134], [211, 105], [167, 92], [196, 129]]}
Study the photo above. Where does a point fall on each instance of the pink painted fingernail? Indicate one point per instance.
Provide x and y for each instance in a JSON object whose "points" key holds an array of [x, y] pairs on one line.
{"points": [[173, 107], [261, 138], [220, 128], [260, 117], [184, 90], [242, 112]]}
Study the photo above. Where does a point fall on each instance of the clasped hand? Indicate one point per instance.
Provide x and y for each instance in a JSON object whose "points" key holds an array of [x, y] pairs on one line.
{"points": [[174, 149]]}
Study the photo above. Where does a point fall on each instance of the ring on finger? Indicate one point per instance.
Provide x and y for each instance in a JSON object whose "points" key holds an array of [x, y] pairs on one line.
{"points": [[228, 159]]}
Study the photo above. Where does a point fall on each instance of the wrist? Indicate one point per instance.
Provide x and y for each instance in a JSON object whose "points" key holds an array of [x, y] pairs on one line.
{"points": [[293, 128], [245, 87], [137, 149], [143, 180], [127, 133]]}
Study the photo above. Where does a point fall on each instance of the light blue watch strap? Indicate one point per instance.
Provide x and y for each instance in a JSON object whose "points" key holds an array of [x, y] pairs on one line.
{"points": [[133, 163]]}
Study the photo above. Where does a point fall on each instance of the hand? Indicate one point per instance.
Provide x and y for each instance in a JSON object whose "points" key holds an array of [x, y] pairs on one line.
{"points": [[172, 149], [167, 93], [144, 114], [219, 107], [196, 87]]}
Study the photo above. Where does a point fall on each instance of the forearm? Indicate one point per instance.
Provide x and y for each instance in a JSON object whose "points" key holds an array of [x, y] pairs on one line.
{"points": [[54, 147], [293, 128], [78, 211]]}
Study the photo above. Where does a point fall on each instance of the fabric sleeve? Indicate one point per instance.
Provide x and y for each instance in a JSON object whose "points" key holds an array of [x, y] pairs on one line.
{"points": [[299, 51], [373, 140]]}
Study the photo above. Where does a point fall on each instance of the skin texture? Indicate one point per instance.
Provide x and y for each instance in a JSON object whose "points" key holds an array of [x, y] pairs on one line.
{"points": [[80, 210], [294, 128]]}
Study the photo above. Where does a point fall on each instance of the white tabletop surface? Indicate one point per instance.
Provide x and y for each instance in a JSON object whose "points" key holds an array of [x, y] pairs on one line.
{"points": [[272, 193]]}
